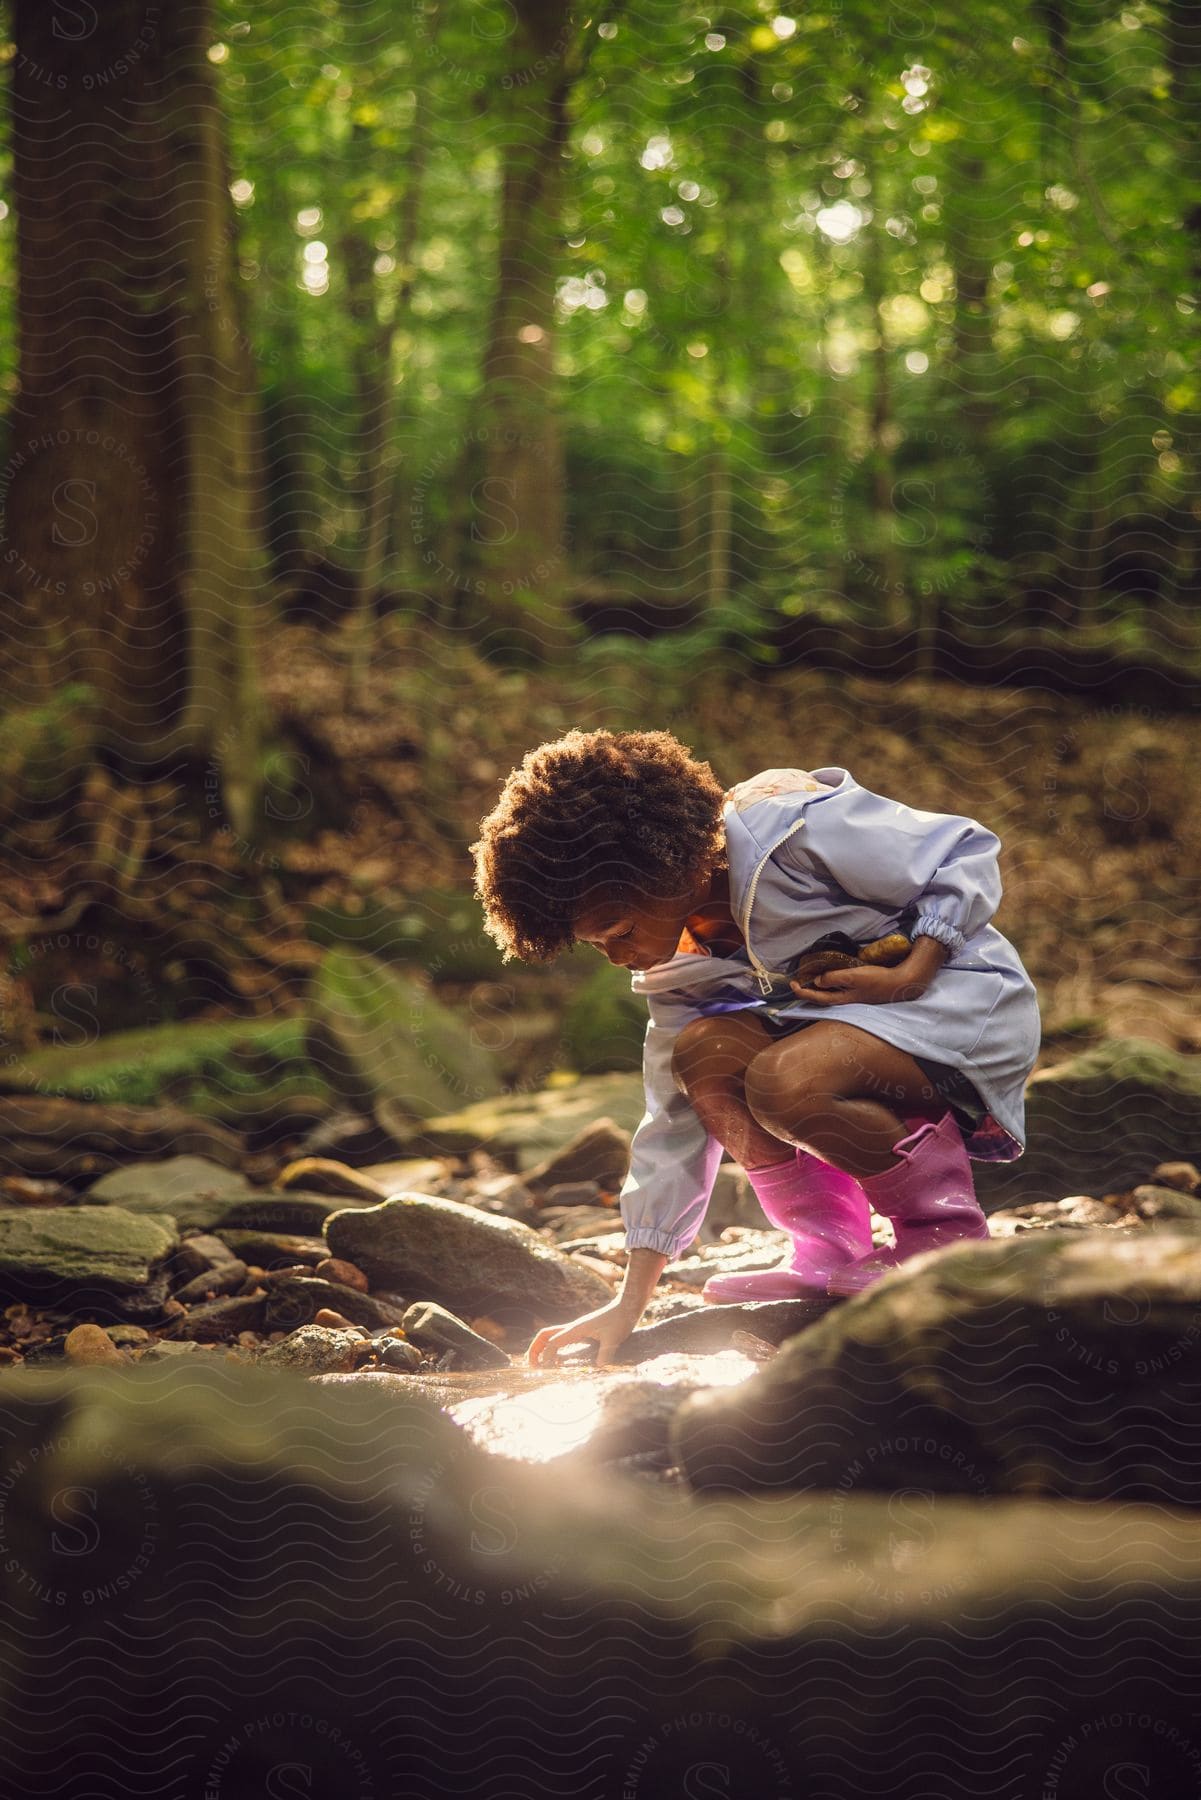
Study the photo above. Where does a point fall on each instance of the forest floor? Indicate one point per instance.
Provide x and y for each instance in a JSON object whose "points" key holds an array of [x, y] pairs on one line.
{"points": [[1096, 809]]}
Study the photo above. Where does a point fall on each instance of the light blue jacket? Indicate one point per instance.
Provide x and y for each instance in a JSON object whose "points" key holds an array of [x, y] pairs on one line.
{"points": [[810, 853]]}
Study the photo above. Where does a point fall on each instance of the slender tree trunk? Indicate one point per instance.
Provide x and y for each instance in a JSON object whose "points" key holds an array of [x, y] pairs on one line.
{"points": [[518, 512], [891, 567], [130, 551], [377, 399]]}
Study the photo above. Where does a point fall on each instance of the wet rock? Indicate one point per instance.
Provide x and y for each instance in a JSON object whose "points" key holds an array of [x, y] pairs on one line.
{"points": [[466, 1261], [710, 1328], [317, 1350], [129, 1337], [432, 1327], [94, 1259], [583, 1416], [198, 1254], [344, 1273], [18, 1190], [322, 1175], [214, 1320], [91, 1345], [297, 1300], [600, 1154], [166, 1350], [226, 1278], [1049, 1363], [273, 1249], [396, 1353]]}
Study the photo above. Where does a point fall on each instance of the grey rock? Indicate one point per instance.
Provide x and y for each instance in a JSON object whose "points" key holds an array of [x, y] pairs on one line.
{"points": [[225, 1278], [296, 1212], [194, 1190], [297, 1299], [214, 1320], [432, 1327], [97, 1260], [317, 1350], [1055, 1363], [198, 1254], [273, 1249], [395, 1353], [440, 1250]]}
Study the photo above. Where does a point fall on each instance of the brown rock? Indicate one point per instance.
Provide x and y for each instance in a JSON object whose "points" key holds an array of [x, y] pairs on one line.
{"points": [[344, 1273], [327, 1316], [91, 1345]]}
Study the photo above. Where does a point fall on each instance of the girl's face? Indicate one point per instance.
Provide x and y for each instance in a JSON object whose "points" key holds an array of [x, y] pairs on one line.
{"points": [[634, 930]]}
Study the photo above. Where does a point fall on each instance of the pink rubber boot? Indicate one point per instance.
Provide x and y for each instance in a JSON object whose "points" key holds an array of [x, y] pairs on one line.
{"points": [[929, 1196], [827, 1216]]}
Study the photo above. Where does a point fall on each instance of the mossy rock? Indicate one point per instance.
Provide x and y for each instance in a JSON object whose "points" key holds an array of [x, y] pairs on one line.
{"points": [[91, 1259], [605, 1024], [236, 1071], [380, 1036], [1100, 1123]]}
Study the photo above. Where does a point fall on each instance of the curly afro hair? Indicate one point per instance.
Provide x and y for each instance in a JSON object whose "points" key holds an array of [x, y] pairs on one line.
{"points": [[592, 811]]}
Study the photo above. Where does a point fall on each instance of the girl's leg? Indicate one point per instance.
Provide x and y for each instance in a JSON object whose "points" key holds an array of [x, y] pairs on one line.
{"points": [[840, 1092], [709, 1065]]}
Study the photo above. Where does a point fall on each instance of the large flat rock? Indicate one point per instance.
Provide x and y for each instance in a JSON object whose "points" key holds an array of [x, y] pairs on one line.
{"points": [[97, 1260], [280, 1575]]}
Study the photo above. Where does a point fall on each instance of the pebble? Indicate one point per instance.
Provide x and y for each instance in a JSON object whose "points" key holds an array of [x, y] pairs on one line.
{"points": [[318, 1350], [394, 1353], [344, 1273], [91, 1345], [434, 1327]]}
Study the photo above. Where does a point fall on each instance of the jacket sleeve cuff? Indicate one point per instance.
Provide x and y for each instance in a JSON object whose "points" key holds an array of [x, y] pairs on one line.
{"points": [[668, 1243], [930, 925]]}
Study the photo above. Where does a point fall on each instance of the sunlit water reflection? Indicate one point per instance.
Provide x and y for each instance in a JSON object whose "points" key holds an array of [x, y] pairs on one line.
{"points": [[536, 1415]]}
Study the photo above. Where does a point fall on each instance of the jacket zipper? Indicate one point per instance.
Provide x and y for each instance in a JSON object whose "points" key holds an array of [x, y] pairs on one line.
{"points": [[763, 975]]}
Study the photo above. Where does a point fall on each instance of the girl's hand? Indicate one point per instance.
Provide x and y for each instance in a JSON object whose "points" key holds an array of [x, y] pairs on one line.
{"points": [[607, 1327], [861, 983]]}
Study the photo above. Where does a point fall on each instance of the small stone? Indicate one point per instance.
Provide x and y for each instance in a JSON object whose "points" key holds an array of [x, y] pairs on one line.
{"points": [[433, 1327], [216, 1319], [1154, 1203], [1182, 1175], [166, 1350], [298, 1300], [129, 1336], [91, 1344], [227, 1278], [395, 1353], [196, 1255], [345, 1273], [327, 1316]]}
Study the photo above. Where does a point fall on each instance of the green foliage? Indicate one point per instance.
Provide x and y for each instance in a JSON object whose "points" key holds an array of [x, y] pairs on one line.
{"points": [[910, 296]]}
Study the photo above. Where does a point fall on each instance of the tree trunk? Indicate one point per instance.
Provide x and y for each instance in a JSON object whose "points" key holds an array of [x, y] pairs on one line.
{"points": [[130, 540], [517, 510]]}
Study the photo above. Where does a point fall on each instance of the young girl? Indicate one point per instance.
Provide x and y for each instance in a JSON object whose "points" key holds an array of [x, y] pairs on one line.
{"points": [[866, 1086]]}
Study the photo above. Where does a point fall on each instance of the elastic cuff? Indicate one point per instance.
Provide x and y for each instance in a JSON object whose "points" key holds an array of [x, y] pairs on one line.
{"points": [[667, 1243], [930, 925]]}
